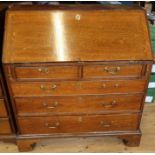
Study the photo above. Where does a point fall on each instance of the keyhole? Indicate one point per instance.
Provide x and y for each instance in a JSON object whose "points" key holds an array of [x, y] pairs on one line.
{"points": [[77, 17]]}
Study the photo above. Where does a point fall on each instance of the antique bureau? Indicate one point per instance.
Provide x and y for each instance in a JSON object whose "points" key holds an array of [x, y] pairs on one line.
{"points": [[7, 130], [77, 71]]}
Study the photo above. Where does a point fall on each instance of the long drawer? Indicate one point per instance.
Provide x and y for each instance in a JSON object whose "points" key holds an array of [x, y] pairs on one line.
{"points": [[77, 124], [4, 126], [77, 87], [3, 112], [78, 104]]}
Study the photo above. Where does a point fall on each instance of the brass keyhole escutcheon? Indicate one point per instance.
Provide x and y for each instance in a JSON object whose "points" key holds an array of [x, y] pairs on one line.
{"points": [[103, 85], [42, 87], [80, 119], [79, 85], [77, 17], [80, 98], [117, 85]]}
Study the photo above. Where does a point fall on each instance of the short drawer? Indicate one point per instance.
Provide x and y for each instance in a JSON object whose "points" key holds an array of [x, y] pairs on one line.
{"points": [[4, 126], [3, 112], [77, 87], [78, 124], [46, 72], [105, 71], [78, 104]]}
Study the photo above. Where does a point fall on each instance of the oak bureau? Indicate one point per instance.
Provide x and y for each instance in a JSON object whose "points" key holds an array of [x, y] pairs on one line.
{"points": [[77, 70]]}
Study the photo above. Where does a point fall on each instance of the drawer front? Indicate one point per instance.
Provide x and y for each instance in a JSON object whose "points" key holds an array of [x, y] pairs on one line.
{"points": [[75, 87], [105, 71], [4, 126], [77, 124], [80, 104], [3, 112], [47, 72]]}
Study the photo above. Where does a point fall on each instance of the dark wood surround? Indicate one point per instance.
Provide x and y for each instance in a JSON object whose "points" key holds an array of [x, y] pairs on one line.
{"points": [[75, 71], [7, 127]]}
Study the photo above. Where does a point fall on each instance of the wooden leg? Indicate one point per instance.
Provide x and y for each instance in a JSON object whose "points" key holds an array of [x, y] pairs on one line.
{"points": [[25, 145], [131, 140]]}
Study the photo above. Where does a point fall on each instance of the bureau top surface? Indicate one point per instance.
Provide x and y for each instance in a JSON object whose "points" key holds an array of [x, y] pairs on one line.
{"points": [[75, 33]]}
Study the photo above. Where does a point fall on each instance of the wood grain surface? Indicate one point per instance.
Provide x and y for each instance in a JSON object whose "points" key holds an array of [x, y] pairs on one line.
{"points": [[3, 111], [92, 34], [88, 104], [21, 89], [77, 124]]}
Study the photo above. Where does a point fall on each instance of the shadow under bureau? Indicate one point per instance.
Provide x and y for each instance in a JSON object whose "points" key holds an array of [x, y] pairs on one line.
{"points": [[75, 71]]}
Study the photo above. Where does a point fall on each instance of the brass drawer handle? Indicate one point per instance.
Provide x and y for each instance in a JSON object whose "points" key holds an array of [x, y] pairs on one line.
{"points": [[106, 125], [50, 107], [44, 88], [53, 86], [112, 70], [43, 70], [108, 105], [54, 126]]}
